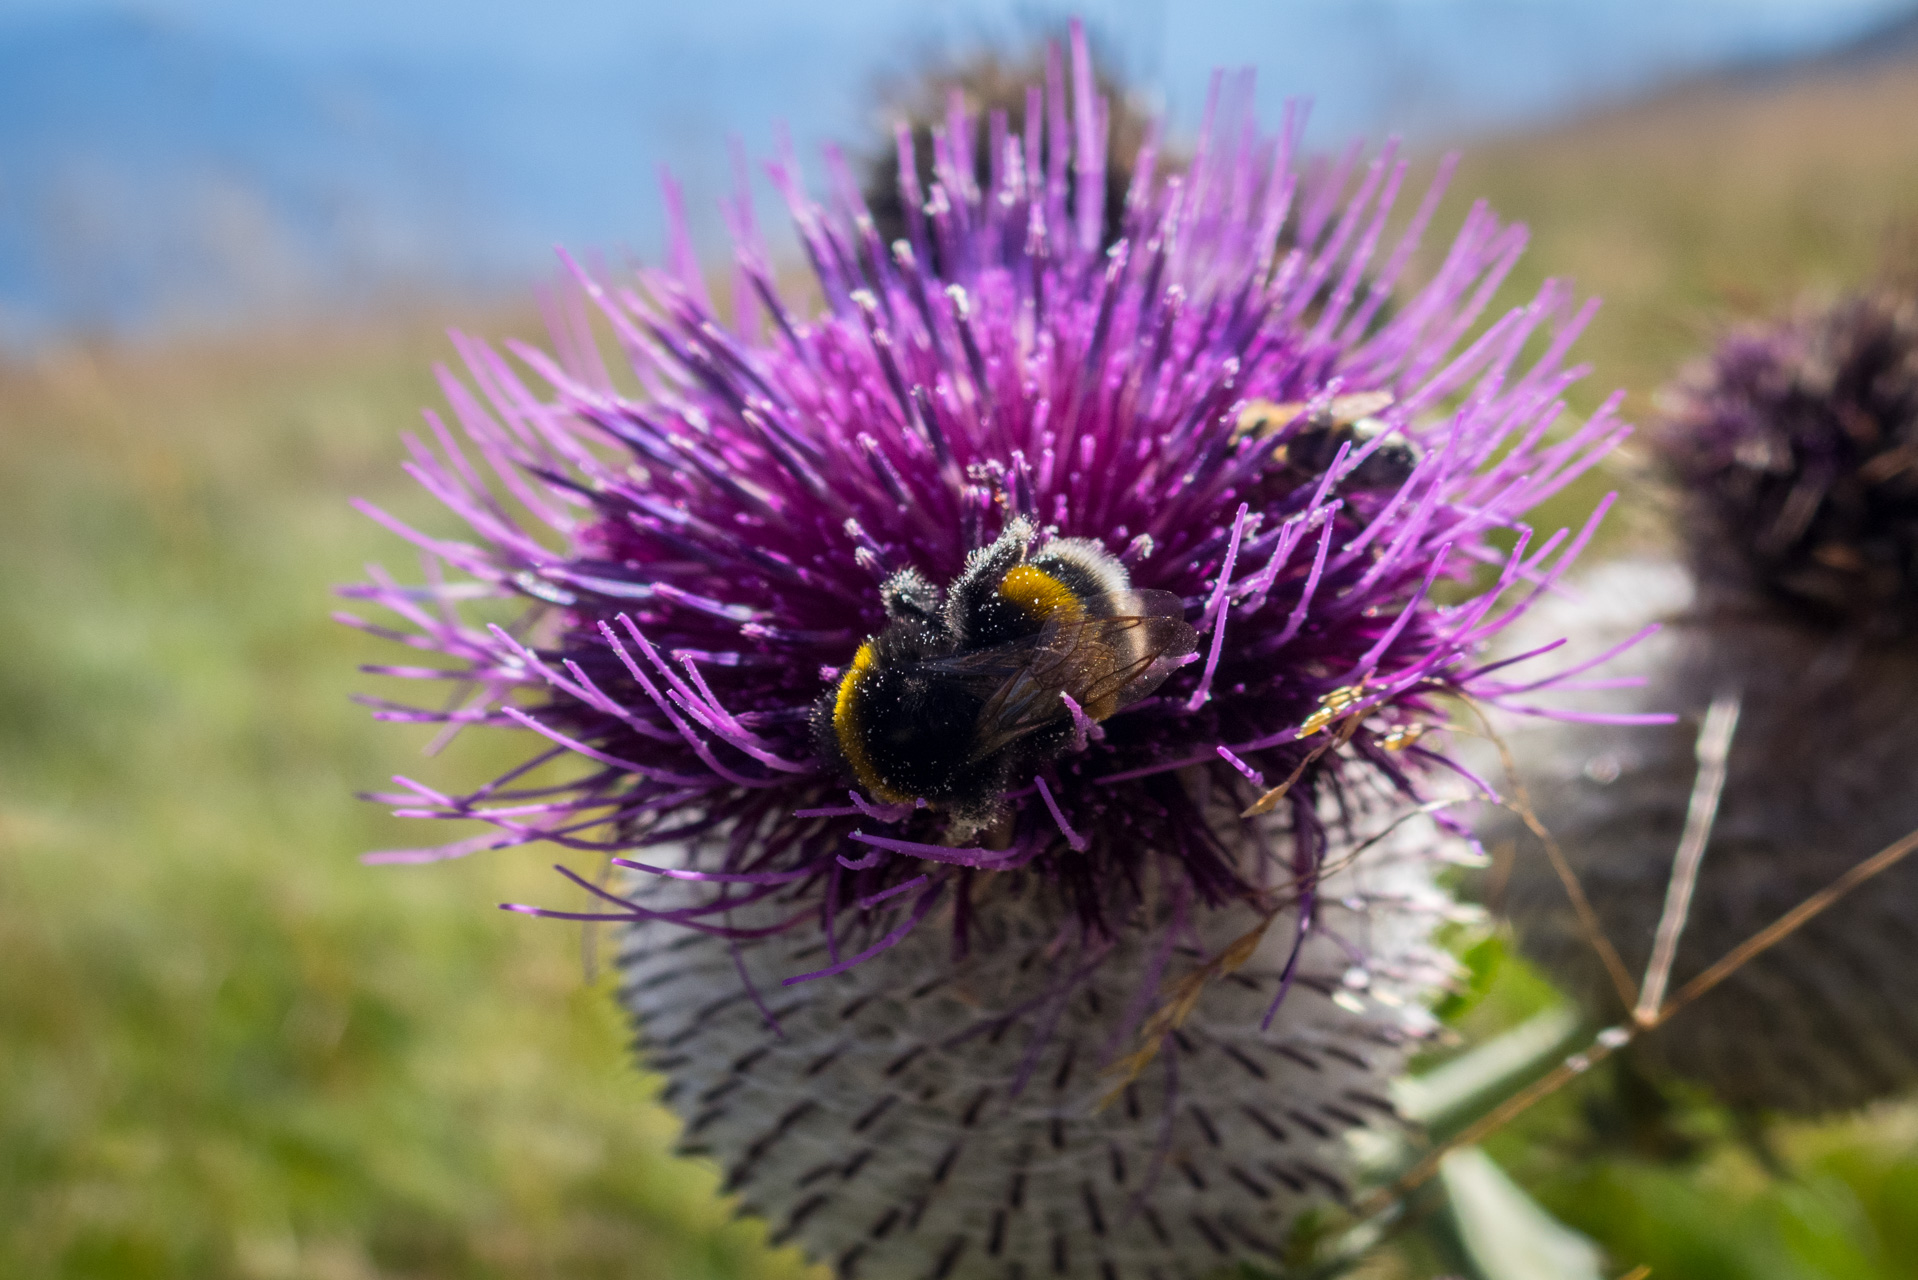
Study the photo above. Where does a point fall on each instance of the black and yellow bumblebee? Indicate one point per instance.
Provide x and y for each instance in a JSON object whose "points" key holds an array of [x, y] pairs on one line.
{"points": [[1309, 448], [960, 692]]}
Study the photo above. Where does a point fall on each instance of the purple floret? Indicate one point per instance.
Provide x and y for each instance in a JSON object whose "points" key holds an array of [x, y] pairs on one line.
{"points": [[712, 548]]}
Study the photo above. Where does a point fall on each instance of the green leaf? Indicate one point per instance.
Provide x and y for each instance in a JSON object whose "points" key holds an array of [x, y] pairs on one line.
{"points": [[1502, 1233], [1449, 1097]]}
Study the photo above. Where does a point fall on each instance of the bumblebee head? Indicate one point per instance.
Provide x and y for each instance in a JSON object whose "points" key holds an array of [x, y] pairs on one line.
{"points": [[975, 613], [909, 597]]}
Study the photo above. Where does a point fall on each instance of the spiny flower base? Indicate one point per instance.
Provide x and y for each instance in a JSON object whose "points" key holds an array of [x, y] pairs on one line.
{"points": [[925, 1118]]}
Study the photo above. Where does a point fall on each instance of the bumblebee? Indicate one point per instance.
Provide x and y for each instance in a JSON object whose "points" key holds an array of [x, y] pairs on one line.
{"points": [[1310, 448], [959, 692]]}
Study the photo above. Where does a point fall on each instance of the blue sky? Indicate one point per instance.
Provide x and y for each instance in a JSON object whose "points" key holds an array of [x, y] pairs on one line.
{"points": [[1547, 49], [560, 30], [209, 158]]}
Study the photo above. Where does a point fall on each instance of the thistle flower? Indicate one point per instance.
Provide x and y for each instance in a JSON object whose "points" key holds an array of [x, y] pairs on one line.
{"points": [[1117, 1017], [1792, 449]]}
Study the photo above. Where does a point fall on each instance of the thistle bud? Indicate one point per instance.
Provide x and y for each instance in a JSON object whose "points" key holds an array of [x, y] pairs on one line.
{"points": [[1794, 453]]}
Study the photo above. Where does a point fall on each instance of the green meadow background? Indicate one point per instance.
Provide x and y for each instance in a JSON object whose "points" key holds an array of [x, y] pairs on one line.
{"points": [[227, 1049]]}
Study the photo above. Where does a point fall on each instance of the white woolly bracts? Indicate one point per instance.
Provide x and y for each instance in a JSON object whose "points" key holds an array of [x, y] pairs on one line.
{"points": [[919, 1115]]}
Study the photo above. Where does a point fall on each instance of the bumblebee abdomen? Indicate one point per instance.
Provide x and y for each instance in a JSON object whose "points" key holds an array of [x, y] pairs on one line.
{"points": [[905, 736]]}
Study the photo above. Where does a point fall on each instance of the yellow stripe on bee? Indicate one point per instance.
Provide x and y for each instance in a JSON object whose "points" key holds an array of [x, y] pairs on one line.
{"points": [[1040, 594], [846, 728], [1265, 417]]}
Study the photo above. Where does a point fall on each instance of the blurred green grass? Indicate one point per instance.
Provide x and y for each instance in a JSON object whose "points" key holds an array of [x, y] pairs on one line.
{"points": [[228, 1049]]}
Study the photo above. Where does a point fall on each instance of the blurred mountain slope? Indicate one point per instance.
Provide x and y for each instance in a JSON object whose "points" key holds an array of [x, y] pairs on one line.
{"points": [[1720, 198]]}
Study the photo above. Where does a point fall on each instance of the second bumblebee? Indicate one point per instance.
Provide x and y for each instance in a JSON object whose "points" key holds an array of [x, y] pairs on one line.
{"points": [[1310, 440]]}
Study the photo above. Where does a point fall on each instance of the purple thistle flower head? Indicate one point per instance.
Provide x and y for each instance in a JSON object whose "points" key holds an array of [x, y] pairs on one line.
{"points": [[999, 631]]}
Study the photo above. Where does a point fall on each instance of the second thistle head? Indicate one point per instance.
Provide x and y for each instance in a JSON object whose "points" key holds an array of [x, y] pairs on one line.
{"points": [[1797, 449], [1794, 448], [1017, 93]]}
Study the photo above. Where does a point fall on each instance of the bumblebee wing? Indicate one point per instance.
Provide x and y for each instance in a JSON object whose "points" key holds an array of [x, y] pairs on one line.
{"points": [[983, 671], [1124, 648]]}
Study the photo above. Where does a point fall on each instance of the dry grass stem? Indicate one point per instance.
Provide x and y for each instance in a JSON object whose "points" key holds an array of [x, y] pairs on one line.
{"points": [[1788, 923], [1612, 1039], [1714, 753], [1172, 1014], [1270, 800], [1588, 922]]}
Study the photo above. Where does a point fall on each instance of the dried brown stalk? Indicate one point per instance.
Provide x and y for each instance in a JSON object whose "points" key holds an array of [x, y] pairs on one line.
{"points": [[1612, 1039], [1588, 922]]}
